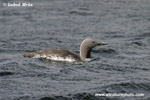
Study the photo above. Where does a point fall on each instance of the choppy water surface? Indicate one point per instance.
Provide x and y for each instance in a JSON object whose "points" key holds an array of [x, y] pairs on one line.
{"points": [[123, 66]]}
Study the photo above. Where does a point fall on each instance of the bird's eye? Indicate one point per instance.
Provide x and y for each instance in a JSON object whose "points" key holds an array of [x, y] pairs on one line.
{"points": [[93, 42]]}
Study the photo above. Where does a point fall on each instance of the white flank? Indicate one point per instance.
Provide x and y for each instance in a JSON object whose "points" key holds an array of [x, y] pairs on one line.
{"points": [[55, 58], [37, 56], [88, 59]]}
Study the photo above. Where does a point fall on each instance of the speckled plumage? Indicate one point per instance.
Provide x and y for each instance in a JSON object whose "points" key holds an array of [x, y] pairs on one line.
{"points": [[58, 55]]}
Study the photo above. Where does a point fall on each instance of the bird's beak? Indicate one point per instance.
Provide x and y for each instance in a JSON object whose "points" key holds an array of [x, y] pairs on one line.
{"points": [[103, 43]]}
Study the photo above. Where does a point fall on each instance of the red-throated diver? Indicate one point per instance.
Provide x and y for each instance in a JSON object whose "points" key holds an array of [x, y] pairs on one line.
{"points": [[66, 55]]}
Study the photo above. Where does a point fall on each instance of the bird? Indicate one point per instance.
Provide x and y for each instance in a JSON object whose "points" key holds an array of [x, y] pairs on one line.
{"points": [[86, 47]]}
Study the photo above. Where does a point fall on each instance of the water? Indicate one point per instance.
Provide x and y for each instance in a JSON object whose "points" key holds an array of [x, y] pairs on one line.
{"points": [[121, 67]]}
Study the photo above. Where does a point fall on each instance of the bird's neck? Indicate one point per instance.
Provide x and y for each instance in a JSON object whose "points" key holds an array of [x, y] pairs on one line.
{"points": [[88, 53], [85, 53]]}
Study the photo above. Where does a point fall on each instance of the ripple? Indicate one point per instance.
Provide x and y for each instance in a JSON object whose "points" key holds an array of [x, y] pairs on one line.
{"points": [[145, 34], [138, 43], [108, 51], [128, 87], [55, 98], [6, 73], [78, 96], [81, 12]]}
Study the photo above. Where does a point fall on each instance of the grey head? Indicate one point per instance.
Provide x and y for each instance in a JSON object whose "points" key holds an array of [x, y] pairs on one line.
{"points": [[86, 47]]}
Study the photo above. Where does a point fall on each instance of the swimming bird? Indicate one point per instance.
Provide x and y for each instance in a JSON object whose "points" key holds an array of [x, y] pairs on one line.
{"points": [[66, 55]]}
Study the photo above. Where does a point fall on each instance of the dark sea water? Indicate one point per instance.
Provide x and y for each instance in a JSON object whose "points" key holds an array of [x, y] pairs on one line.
{"points": [[123, 66]]}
